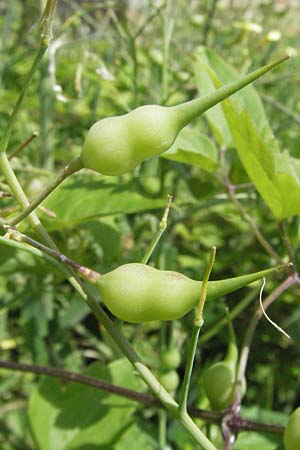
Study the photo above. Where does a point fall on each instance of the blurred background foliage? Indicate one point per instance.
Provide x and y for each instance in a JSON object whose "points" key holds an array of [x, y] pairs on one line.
{"points": [[106, 58]]}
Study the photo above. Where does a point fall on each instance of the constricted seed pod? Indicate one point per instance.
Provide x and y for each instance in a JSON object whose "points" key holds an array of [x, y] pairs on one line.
{"points": [[219, 380], [115, 145], [139, 293]]}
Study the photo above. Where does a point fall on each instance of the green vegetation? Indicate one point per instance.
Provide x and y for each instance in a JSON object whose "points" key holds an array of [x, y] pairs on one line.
{"points": [[72, 375]]}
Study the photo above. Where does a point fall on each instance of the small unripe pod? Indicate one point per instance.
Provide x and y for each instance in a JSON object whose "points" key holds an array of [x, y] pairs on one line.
{"points": [[219, 380], [140, 293], [170, 359], [291, 437], [115, 145], [169, 380]]}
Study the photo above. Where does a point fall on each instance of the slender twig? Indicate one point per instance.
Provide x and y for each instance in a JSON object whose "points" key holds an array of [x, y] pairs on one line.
{"points": [[209, 20], [222, 321], [23, 145], [68, 170], [168, 27], [19, 102], [161, 230], [89, 274], [162, 430], [239, 424], [198, 322], [287, 242], [286, 284], [256, 231], [289, 112]]}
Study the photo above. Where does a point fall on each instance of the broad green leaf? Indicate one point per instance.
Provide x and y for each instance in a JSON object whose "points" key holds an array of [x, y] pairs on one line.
{"points": [[194, 148], [275, 175], [210, 65], [83, 198], [135, 438], [69, 416]]}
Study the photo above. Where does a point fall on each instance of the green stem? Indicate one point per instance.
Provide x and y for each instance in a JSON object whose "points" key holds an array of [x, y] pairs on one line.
{"points": [[293, 279], [68, 170], [198, 322], [93, 303], [209, 20], [162, 227], [22, 145], [7, 131], [162, 430], [287, 242], [167, 34]]}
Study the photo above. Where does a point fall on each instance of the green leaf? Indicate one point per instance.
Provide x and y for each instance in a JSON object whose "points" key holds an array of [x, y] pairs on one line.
{"points": [[209, 67], [83, 198], [275, 175], [194, 148], [69, 416], [135, 438]]}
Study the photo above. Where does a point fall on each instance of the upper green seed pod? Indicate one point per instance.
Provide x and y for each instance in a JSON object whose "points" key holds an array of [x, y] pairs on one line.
{"points": [[140, 293], [292, 432], [115, 145]]}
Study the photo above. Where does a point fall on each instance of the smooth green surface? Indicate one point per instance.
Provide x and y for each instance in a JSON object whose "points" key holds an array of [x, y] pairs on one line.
{"points": [[139, 293], [73, 416], [292, 432]]}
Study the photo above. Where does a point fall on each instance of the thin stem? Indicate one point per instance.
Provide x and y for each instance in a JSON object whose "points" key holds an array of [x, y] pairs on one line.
{"points": [[289, 112], [162, 227], [237, 423], [23, 145], [221, 322], [198, 322], [287, 242], [256, 231], [12, 119], [162, 430], [209, 20], [68, 170], [89, 274], [167, 35], [288, 282]]}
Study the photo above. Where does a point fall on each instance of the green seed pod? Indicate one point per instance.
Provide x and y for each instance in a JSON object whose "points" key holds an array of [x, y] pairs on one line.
{"points": [[220, 378], [169, 380], [115, 145], [291, 437], [140, 293], [170, 359]]}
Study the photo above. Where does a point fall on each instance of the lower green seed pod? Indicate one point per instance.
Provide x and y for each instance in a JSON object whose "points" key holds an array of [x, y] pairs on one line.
{"points": [[219, 380], [140, 293], [291, 437], [169, 380], [170, 359]]}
